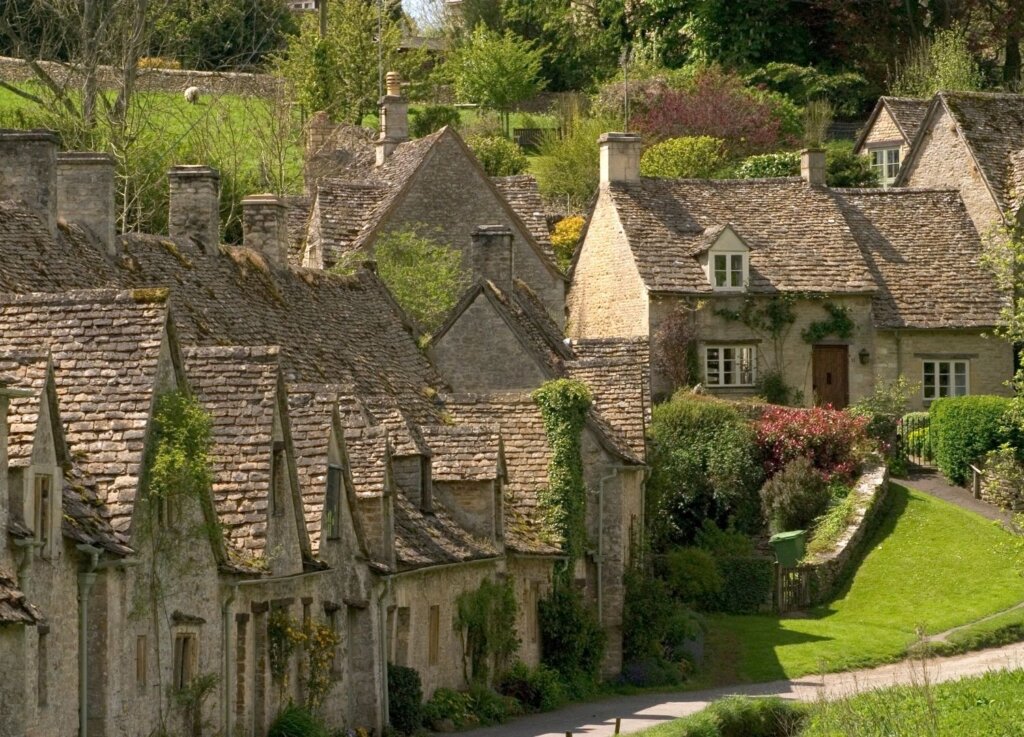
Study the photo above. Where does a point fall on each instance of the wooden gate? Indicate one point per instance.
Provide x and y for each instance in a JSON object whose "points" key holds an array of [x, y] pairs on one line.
{"points": [[793, 588], [830, 370]]}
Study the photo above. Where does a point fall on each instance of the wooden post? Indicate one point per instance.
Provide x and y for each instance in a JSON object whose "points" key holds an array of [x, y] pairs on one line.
{"points": [[618, 724]]}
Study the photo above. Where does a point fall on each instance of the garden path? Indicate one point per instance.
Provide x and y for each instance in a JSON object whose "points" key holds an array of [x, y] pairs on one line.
{"points": [[597, 719], [932, 482]]}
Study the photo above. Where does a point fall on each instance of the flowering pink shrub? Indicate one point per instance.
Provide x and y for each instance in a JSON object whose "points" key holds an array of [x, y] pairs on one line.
{"points": [[830, 439]]}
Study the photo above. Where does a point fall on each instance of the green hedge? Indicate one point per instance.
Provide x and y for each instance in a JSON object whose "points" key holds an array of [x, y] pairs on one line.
{"points": [[746, 584], [405, 698], [963, 429]]}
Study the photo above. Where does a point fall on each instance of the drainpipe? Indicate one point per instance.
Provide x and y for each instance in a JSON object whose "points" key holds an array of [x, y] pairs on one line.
{"points": [[225, 612], [86, 579], [385, 706]]}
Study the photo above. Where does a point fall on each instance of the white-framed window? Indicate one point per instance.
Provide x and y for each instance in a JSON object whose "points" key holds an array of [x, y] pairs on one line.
{"points": [[728, 270], [946, 378], [886, 163], [730, 365]]}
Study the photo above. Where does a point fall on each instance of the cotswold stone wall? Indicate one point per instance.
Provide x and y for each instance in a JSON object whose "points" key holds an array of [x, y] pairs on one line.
{"points": [[829, 568], [885, 131], [152, 80]]}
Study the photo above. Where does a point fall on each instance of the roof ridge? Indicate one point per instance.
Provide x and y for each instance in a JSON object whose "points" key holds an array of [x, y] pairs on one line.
{"points": [[268, 352], [104, 295], [888, 191]]}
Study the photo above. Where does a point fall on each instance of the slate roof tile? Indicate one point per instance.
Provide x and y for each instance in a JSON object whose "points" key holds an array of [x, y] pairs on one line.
{"points": [[433, 539], [463, 452], [908, 113], [523, 194], [14, 608], [27, 372]]}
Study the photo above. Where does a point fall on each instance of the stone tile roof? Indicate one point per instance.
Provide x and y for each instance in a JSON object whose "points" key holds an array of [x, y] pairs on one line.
{"points": [[298, 210], [992, 125], [105, 346], [463, 452], [432, 539], [238, 387], [616, 370], [368, 453], [344, 212], [14, 608], [26, 372], [85, 520], [797, 235], [924, 252], [523, 194], [908, 113]]}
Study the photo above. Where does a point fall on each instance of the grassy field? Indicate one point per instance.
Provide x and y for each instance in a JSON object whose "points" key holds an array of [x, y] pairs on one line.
{"points": [[931, 566]]}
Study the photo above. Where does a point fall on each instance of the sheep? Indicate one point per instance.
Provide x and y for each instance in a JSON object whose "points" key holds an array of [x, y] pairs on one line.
{"points": [[192, 95]]}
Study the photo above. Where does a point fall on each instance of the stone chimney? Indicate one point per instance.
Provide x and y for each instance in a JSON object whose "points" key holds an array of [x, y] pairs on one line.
{"points": [[492, 255], [812, 166], [86, 190], [394, 119], [265, 228], [620, 158], [195, 205], [28, 172]]}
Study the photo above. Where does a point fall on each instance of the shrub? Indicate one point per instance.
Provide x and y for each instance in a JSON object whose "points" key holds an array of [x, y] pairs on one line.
{"points": [[297, 721], [433, 118], [723, 543], [883, 409], [689, 157], [499, 156], [833, 523], [565, 239], [571, 639], [918, 442], [764, 166], [490, 707], [692, 575], [537, 689], [1004, 478], [747, 583], [830, 439], [656, 630], [448, 704], [568, 165], [963, 429], [652, 671], [844, 168], [405, 698], [704, 466], [792, 498], [737, 716]]}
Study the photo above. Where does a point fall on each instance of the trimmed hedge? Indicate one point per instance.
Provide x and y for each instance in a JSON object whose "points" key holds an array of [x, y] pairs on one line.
{"points": [[963, 429]]}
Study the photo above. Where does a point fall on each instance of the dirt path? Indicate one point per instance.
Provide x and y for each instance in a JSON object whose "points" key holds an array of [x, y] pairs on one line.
{"points": [[597, 719]]}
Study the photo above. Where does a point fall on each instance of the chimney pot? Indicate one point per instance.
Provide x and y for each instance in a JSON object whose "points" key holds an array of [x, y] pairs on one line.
{"points": [[394, 119], [86, 190], [812, 166], [620, 158], [492, 255], [265, 227], [195, 205], [28, 172]]}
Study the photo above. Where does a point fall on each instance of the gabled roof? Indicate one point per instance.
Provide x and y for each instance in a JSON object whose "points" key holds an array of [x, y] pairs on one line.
{"points": [[357, 201], [992, 126], [423, 540], [925, 255], [84, 519], [238, 387], [797, 236], [711, 235], [28, 372], [464, 452], [523, 194], [14, 608], [105, 347], [907, 113]]}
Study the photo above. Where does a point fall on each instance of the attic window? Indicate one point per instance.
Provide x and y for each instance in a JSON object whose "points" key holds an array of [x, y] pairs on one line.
{"points": [[332, 504], [729, 270], [886, 164]]}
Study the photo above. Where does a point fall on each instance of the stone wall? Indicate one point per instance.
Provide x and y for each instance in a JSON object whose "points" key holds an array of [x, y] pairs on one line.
{"points": [[151, 80], [904, 352], [532, 578], [472, 504], [943, 160], [885, 131], [607, 298], [480, 353], [829, 569], [791, 355]]}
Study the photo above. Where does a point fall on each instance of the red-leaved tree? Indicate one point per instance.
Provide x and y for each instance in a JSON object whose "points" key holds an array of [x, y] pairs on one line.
{"points": [[830, 439]]}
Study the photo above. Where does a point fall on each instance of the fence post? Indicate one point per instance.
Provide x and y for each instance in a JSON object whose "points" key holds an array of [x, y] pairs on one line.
{"points": [[618, 724]]}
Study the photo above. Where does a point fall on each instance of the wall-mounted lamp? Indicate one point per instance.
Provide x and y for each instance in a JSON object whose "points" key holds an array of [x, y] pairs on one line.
{"points": [[864, 356]]}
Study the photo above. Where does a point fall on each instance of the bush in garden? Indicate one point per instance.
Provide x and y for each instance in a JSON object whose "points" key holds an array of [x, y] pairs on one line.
{"points": [[746, 584], [768, 166], [692, 575], [883, 409], [499, 156], [434, 118], [447, 704], [565, 239], [568, 164], [963, 429], [689, 157], [571, 640], [793, 497], [723, 543], [536, 689], [405, 698], [832, 440], [297, 721], [844, 168], [737, 716], [704, 466]]}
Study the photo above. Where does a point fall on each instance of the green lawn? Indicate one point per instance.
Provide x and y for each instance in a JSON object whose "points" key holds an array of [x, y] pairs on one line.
{"points": [[931, 566]]}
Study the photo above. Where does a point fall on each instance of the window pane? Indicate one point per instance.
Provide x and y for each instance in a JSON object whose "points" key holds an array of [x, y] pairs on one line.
{"points": [[728, 366], [960, 378], [943, 378], [929, 380], [736, 269], [721, 272], [711, 369]]}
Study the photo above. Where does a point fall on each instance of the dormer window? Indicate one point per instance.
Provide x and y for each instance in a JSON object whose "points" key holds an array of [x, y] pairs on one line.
{"points": [[886, 164], [730, 270], [725, 258]]}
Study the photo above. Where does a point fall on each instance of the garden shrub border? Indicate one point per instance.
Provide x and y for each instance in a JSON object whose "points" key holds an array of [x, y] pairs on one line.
{"points": [[829, 569]]}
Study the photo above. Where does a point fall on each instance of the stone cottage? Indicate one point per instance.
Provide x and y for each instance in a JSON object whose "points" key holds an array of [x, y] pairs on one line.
{"points": [[888, 135], [787, 286], [972, 142]]}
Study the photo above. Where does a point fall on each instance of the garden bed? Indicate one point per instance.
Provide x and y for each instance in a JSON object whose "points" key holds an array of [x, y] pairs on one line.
{"points": [[828, 568]]}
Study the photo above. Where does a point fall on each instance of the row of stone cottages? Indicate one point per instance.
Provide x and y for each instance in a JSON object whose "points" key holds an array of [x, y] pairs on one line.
{"points": [[356, 487]]}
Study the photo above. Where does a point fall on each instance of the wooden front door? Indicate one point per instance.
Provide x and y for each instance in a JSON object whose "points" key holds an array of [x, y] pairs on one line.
{"points": [[830, 368]]}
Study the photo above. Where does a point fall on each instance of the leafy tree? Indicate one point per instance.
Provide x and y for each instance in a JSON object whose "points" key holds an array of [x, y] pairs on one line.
{"points": [[848, 92], [693, 157], [499, 156], [433, 118], [339, 73], [843, 168], [942, 63], [424, 276], [568, 165], [496, 71]]}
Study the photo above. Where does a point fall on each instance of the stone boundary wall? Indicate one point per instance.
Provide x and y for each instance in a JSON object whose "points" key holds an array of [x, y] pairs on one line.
{"points": [[151, 80], [828, 569]]}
